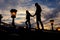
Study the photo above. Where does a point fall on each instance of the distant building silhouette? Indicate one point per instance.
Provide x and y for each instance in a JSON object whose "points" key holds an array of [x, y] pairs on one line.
{"points": [[28, 19], [38, 15]]}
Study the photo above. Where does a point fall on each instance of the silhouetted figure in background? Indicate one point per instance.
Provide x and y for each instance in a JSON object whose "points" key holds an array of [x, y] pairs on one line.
{"points": [[28, 19], [38, 15], [0, 18]]}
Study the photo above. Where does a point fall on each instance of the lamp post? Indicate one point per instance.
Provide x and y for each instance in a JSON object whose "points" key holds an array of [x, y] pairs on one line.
{"points": [[0, 18], [13, 15], [58, 28], [52, 23]]}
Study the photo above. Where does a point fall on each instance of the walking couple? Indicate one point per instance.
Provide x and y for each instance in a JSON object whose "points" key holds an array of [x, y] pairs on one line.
{"points": [[37, 14]]}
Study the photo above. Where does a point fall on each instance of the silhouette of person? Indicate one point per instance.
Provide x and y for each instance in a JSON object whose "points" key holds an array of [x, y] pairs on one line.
{"points": [[38, 15], [0, 18], [28, 19]]}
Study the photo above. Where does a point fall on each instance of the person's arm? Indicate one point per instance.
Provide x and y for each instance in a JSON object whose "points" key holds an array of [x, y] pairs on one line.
{"points": [[34, 14], [31, 15]]}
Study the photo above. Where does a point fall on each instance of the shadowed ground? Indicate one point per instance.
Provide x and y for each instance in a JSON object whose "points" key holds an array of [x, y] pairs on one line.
{"points": [[21, 33]]}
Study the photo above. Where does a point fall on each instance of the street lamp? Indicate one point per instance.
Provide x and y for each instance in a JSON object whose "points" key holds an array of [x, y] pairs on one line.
{"points": [[1, 18], [52, 23], [13, 15], [58, 28]]}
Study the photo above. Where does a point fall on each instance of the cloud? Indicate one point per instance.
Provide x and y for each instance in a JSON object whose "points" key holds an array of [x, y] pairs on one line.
{"points": [[54, 13], [46, 11], [1, 1], [23, 1], [6, 4]]}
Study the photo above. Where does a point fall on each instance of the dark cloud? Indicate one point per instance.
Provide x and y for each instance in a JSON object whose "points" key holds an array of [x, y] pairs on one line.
{"points": [[6, 3], [54, 14]]}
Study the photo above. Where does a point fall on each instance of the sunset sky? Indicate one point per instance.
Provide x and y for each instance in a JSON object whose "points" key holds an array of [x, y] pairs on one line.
{"points": [[50, 10]]}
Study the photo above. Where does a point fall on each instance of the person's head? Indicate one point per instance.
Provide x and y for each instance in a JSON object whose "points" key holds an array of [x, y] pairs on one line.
{"points": [[27, 11], [1, 16], [36, 4]]}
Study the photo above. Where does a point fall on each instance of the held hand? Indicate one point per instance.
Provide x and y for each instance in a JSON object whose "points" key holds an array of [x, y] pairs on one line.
{"points": [[32, 15]]}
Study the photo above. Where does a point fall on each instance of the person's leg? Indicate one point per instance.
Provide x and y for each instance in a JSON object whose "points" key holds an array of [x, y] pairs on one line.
{"points": [[29, 24], [26, 24], [42, 25], [38, 24]]}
